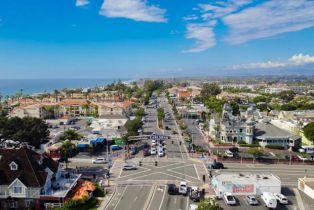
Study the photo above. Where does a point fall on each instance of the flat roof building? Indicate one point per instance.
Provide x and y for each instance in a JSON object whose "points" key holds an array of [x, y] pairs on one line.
{"points": [[245, 183]]}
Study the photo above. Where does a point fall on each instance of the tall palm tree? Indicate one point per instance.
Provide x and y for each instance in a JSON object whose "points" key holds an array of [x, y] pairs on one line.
{"points": [[56, 94]]}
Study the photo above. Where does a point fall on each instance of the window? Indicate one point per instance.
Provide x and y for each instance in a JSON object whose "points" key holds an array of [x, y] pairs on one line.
{"points": [[28, 203], [241, 130], [17, 189], [13, 204], [13, 166]]}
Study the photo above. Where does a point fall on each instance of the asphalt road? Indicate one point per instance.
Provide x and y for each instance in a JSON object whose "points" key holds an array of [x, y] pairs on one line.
{"points": [[194, 130]]}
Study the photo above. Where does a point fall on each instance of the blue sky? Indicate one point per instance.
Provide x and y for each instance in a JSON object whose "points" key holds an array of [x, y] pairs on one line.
{"points": [[155, 38]]}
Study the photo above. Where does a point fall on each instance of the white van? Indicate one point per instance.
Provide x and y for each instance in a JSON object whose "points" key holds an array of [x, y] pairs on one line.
{"points": [[269, 200], [183, 188]]}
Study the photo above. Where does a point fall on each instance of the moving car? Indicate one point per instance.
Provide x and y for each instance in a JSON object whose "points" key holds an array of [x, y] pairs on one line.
{"points": [[229, 199], [183, 188], [153, 151], [172, 189], [174, 132], [281, 198], [129, 167], [99, 160], [251, 200], [269, 200], [216, 165], [195, 194]]}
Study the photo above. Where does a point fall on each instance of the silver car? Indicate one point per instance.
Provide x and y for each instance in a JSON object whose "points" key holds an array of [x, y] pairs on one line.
{"points": [[251, 200]]}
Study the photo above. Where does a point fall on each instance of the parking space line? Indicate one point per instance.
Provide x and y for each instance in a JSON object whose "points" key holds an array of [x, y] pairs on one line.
{"points": [[187, 202]]}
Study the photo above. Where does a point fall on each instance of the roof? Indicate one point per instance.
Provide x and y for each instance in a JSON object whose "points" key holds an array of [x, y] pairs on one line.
{"points": [[69, 102], [29, 172], [113, 104], [268, 130], [261, 179]]}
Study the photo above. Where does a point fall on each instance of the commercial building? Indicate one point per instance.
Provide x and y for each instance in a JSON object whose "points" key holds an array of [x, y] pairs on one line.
{"points": [[245, 184], [306, 185]]}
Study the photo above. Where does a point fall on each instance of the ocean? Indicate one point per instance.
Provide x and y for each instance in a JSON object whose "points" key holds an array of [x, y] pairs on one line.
{"points": [[33, 86]]}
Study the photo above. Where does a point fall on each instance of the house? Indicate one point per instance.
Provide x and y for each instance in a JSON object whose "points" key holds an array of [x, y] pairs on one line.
{"points": [[230, 128], [114, 108], [29, 178], [268, 134]]}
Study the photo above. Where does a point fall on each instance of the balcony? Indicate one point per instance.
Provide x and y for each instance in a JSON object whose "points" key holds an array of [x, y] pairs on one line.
{"points": [[62, 186]]}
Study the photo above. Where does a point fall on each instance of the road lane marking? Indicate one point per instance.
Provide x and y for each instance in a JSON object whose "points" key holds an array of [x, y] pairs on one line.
{"points": [[298, 198], [198, 176], [187, 202], [120, 198], [163, 196], [149, 198]]}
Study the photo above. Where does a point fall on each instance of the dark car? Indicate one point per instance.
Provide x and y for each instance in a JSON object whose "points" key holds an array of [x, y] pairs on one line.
{"points": [[146, 152], [134, 151], [172, 189], [216, 165], [167, 128], [174, 132]]}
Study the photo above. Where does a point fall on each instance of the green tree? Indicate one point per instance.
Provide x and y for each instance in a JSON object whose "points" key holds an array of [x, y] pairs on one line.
{"points": [[287, 95], [214, 104], [209, 204], [288, 107], [140, 112], [210, 89], [132, 126], [71, 135], [259, 99], [309, 131]]}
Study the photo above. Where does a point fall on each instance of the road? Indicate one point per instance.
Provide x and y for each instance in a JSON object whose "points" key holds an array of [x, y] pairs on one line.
{"points": [[197, 137]]}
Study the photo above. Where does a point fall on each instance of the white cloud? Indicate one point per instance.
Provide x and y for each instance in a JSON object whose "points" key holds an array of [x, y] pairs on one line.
{"points": [[138, 10], [203, 34], [190, 17], [269, 19], [80, 3], [295, 60]]}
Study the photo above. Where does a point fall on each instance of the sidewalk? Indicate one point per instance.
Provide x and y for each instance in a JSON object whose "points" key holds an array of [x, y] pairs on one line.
{"points": [[110, 191]]}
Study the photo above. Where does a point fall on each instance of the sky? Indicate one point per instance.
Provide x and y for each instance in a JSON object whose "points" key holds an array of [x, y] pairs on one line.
{"points": [[155, 38]]}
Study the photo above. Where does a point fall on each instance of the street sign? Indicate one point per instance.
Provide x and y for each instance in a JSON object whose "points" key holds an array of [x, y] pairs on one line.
{"points": [[159, 137], [119, 142]]}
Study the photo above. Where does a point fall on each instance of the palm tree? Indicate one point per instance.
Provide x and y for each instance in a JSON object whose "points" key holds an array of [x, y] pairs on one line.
{"points": [[56, 94]]}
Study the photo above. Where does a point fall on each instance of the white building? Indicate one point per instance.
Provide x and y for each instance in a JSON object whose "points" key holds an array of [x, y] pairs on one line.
{"points": [[245, 184], [306, 185]]}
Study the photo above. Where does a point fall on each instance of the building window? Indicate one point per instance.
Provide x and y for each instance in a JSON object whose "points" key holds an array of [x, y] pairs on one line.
{"points": [[13, 204], [241, 130], [13, 166], [28, 203], [17, 189]]}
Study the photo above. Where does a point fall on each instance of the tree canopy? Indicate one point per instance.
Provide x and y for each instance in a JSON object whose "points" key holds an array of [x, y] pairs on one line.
{"points": [[209, 204], [210, 89], [287, 95], [309, 131], [27, 129]]}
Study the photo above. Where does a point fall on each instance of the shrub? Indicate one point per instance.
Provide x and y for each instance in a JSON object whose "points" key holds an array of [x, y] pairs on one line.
{"points": [[249, 145], [275, 146]]}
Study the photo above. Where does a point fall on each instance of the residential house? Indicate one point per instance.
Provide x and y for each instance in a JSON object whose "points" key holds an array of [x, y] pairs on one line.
{"points": [[40, 110], [28, 178], [75, 107]]}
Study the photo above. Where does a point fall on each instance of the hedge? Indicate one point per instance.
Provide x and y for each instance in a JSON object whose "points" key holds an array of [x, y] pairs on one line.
{"points": [[249, 145], [275, 146]]}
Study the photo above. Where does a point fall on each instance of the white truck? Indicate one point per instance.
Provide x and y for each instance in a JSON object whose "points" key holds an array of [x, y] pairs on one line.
{"points": [[269, 200]]}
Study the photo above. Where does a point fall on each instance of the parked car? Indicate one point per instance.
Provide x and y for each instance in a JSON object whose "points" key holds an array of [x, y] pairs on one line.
{"points": [[129, 167], [115, 147], [154, 143], [174, 132], [229, 199], [161, 153], [195, 194], [183, 188], [251, 200], [172, 189], [228, 153], [146, 152], [167, 128], [302, 158], [153, 151], [281, 198], [193, 207], [216, 165], [269, 200], [99, 160], [134, 151]]}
